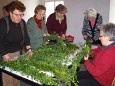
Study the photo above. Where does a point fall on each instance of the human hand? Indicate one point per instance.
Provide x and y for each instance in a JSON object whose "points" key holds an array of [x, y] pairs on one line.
{"points": [[7, 58], [86, 57], [63, 36], [91, 41], [30, 52], [85, 37], [46, 34]]}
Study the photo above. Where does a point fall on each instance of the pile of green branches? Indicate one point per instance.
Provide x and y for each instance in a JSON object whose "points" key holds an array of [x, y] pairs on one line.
{"points": [[46, 65]]}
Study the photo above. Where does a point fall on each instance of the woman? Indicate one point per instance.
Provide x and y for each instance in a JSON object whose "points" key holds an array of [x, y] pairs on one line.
{"points": [[91, 23], [37, 27], [101, 71], [13, 39], [56, 22]]}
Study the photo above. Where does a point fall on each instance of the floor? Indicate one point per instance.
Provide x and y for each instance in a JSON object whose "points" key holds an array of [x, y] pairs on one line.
{"points": [[22, 83]]}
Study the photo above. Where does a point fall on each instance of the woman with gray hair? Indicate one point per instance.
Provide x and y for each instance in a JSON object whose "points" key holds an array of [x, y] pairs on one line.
{"points": [[91, 23], [101, 70], [37, 27]]}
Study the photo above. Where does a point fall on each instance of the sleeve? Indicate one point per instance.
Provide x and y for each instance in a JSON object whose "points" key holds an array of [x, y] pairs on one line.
{"points": [[49, 24], [26, 37], [3, 33], [29, 26], [95, 51], [105, 60], [44, 27], [65, 26], [84, 29], [100, 19]]}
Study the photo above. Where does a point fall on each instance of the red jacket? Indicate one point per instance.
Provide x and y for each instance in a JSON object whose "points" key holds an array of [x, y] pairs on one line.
{"points": [[102, 68]]}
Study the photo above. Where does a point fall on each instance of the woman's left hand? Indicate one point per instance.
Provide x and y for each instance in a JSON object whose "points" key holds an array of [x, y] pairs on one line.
{"points": [[30, 52], [63, 36], [86, 58]]}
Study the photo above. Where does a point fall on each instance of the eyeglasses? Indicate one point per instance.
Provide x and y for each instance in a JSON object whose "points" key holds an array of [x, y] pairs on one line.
{"points": [[21, 15], [101, 36], [62, 13], [41, 14]]}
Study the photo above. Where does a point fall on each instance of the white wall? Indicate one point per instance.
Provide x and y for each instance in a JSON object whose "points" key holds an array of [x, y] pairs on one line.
{"points": [[3, 3], [30, 6], [75, 15], [112, 11]]}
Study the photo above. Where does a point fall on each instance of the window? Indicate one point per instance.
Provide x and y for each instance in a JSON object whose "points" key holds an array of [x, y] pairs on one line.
{"points": [[50, 6], [112, 11]]}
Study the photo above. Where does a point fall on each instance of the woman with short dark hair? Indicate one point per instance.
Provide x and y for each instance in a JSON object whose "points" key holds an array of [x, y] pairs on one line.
{"points": [[13, 37], [56, 22]]}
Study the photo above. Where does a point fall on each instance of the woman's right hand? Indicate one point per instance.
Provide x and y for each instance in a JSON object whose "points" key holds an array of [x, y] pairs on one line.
{"points": [[85, 37], [86, 57], [6, 57]]}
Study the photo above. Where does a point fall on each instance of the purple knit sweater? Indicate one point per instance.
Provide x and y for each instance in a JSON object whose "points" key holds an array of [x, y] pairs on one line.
{"points": [[54, 26]]}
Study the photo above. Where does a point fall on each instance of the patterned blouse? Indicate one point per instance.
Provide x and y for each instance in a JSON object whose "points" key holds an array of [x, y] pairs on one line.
{"points": [[92, 32]]}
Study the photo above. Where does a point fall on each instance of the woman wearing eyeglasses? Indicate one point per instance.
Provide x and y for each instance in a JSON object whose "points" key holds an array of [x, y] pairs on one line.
{"points": [[101, 70], [37, 27], [56, 22], [13, 38]]}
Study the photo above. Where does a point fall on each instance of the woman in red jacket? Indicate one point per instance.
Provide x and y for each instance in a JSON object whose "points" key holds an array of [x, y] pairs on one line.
{"points": [[101, 70]]}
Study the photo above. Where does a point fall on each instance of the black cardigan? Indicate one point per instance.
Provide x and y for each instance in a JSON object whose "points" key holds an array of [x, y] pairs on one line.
{"points": [[11, 41]]}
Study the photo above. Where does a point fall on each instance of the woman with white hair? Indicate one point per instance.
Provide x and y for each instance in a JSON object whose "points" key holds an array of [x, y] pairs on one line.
{"points": [[91, 23], [101, 70]]}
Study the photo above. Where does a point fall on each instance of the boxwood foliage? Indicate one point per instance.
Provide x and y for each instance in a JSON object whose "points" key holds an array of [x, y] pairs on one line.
{"points": [[48, 65]]}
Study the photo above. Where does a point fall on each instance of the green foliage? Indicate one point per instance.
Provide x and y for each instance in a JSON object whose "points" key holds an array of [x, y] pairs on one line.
{"points": [[50, 58]]}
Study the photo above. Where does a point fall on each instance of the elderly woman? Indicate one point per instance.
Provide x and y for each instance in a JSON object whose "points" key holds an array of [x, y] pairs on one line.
{"points": [[13, 37], [56, 22], [101, 71], [91, 23], [37, 27]]}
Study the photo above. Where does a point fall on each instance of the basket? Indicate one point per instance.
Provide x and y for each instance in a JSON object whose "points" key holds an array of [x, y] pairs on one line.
{"points": [[69, 38]]}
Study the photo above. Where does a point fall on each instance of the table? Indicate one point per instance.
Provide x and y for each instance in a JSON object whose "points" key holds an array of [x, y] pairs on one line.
{"points": [[19, 76]]}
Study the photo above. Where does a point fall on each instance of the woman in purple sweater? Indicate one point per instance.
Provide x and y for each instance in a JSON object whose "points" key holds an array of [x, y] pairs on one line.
{"points": [[56, 22]]}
